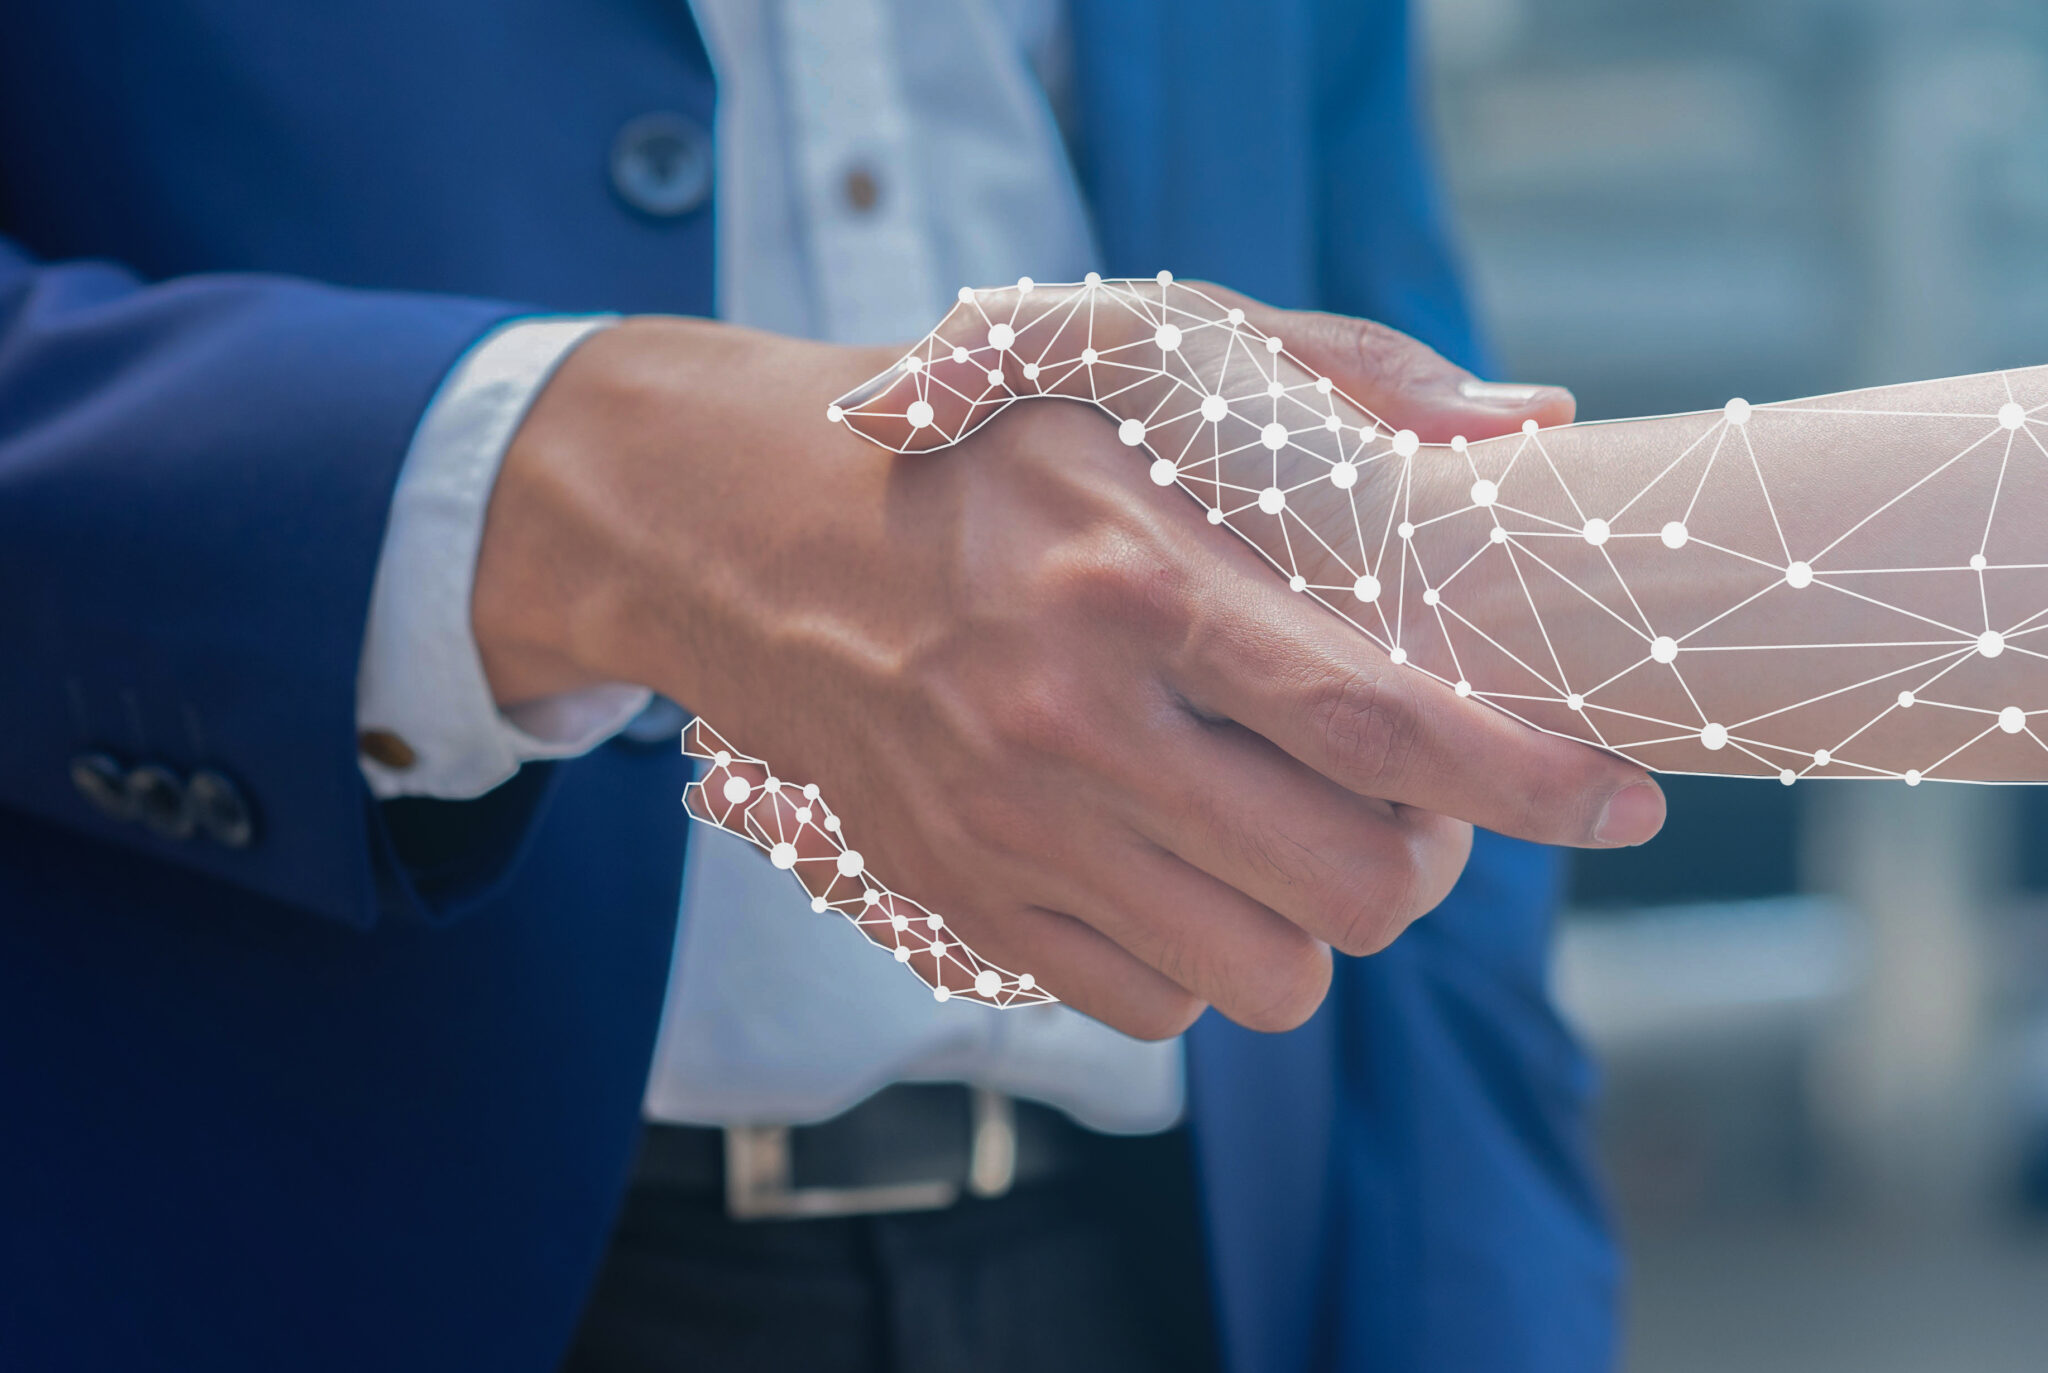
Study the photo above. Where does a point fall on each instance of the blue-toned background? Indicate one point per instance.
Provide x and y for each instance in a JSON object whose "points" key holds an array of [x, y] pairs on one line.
{"points": [[1823, 1010]]}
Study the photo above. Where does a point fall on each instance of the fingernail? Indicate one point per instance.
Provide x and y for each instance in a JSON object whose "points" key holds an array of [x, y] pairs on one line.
{"points": [[1633, 815], [1500, 394], [875, 386]]}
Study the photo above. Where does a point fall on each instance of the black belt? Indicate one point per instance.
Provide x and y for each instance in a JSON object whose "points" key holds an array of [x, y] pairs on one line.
{"points": [[910, 1147]]}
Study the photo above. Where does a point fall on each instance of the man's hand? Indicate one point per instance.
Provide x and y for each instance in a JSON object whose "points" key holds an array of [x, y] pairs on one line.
{"points": [[1048, 699]]}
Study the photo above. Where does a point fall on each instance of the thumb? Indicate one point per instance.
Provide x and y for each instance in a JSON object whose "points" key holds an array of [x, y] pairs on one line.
{"points": [[1404, 381]]}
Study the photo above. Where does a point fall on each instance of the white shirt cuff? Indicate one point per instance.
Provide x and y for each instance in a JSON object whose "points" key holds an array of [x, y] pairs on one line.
{"points": [[421, 677]]}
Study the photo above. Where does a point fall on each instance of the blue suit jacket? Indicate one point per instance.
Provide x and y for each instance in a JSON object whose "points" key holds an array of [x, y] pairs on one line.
{"points": [[363, 1094]]}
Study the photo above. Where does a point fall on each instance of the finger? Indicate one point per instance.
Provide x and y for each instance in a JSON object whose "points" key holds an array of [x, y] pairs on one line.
{"points": [[1348, 870], [1090, 972], [1250, 962], [1402, 380], [1304, 681]]}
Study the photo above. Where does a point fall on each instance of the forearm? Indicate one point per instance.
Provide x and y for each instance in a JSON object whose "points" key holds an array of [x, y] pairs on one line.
{"points": [[1759, 591]]}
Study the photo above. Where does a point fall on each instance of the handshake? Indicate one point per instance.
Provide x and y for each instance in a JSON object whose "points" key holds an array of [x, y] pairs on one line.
{"points": [[1075, 725]]}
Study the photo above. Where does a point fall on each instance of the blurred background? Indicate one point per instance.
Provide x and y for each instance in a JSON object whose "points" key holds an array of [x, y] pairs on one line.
{"points": [[1822, 1010]]}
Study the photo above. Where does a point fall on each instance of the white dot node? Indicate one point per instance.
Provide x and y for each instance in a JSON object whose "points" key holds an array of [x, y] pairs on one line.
{"points": [[1787, 776], [1906, 699], [1406, 444], [1575, 702], [1001, 336], [1215, 515], [919, 414], [1274, 345], [832, 823], [1236, 316], [1366, 588], [1215, 409], [935, 922], [803, 815], [1344, 475], [820, 904], [1405, 530], [1991, 643], [1276, 389], [722, 758], [1324, 386], [914, 363], [1458, 444], [1737, 411], [1031, 371], [1664, 649], [1332, 425], [1165, 278], [810, 791], [1463, 687], [1132, 432], [1092, 279], [1297, 583], [850, 863], [902, 954], [1497, 534], [1431, 596], [1674, 535], [773, 786], [738, 789], [1596, 531], [966, 294], [899, 922], [1822, 757], [1272, 500], [937, 949], [1088, 357], [1274, 436], [1167, 336], [833, 414], [1714, 737], [987, 983], [1978, 562], [783, 855], [1164, 473], [1528, 426], [871, 897], [959, 353], [1799, 575], [2012, 415], [1024, 285], [1913, 777], [1484, 492], [1398, 656], [2012, 719], [995, 376]]}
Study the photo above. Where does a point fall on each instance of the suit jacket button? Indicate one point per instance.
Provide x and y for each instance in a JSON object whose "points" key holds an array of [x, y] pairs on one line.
{"points": [[161, 802], [220, 809], [104, 783], [662, 164]]}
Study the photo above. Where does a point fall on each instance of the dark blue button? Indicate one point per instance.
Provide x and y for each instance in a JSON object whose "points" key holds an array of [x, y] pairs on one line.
{"points": [[161, 802], [103, 783], [220, 809], [661, 164]]}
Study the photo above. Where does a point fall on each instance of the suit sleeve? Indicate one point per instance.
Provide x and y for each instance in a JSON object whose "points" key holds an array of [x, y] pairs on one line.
{"points": [[194, 482]]}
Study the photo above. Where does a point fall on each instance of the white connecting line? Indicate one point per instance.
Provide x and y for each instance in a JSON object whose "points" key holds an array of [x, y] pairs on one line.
{"points": [[1332, 497]]}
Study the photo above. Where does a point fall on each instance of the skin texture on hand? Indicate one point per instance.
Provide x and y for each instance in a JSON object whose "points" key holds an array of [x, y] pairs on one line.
{"points": [[1048, 699]]}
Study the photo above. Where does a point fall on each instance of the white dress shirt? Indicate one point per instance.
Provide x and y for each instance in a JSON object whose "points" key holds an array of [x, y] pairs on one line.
{"points": [[776, 1014]]}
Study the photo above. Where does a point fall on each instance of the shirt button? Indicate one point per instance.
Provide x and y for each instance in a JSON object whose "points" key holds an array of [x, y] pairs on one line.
{"points": [[382, 746], [661, 164], [221, 810], [161, 802], [862, 190], [103, 783]]}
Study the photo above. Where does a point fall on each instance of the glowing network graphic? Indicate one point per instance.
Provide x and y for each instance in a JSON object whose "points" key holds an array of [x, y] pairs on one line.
{"points": [[1849, 586]]}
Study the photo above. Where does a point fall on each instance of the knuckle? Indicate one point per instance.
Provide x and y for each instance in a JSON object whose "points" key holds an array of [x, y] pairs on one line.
{"points": [[1364, 728], [1370, 906], [1284, 994], [1119, 576], [1163, 1016]]}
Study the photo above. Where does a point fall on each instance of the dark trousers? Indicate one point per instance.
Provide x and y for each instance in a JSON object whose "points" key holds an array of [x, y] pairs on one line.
{"points": [[1100, 1268]]}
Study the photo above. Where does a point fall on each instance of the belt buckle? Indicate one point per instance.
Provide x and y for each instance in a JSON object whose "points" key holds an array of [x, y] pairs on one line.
{"points": [[759, 1184]]}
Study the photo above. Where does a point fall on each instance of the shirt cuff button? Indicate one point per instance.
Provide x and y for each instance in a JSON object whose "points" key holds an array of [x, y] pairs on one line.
{"points": [[384, 747]]}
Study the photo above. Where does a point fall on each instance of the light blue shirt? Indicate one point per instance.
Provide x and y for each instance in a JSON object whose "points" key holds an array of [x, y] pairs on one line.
{"points": [[776, 1014]]}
